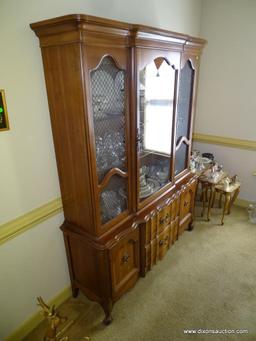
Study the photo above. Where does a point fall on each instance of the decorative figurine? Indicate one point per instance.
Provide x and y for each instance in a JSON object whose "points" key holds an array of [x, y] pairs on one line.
{"points": [[233, 179], [219, 167], [54, 321], [226, 183]]}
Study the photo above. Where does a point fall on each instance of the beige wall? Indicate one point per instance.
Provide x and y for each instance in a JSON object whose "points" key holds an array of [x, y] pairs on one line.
{"points": [[228, 157], [32, 264], [35, 262], [227, 100]]}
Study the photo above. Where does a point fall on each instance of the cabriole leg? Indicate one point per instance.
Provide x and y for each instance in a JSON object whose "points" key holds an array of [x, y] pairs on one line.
{"points": [[191, 226], [75, 291], [107, 307]]}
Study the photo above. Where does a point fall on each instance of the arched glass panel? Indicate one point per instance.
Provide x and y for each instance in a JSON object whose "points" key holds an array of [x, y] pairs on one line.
{"points": [[156, 90], [108, 110], [184, 101], [108, 107], [184, 107]]}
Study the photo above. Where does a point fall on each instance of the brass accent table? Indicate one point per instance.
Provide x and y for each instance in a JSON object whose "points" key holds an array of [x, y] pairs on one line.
{"points": [[230, 193], [209, 183]]}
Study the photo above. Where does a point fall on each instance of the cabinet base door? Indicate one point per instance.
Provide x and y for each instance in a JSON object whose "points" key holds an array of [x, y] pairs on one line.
{"points": [[124, 260]]}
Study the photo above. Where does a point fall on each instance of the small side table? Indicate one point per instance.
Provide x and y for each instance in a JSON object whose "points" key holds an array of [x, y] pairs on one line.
{"points": [[208, 183], [230, 193]]}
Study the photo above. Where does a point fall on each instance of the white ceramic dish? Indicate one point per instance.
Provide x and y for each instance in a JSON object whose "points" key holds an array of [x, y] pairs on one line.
{"points": [[205, 160], [153, 187]]}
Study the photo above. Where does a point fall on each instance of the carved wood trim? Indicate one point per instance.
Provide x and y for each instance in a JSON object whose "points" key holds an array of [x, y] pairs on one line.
{"points": [[194, 61], [106, 55], [108, 176], [121, 235], [181, 140]]}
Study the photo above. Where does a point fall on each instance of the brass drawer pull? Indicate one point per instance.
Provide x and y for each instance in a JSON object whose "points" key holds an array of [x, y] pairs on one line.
{"points": [[161, 242], [164, 242], [165, 219], [161, 221], [125, 258], [186, 203]]}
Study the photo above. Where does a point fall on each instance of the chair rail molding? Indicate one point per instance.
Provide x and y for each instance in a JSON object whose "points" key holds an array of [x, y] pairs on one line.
{"points": [[32, 218], [225, 141]]}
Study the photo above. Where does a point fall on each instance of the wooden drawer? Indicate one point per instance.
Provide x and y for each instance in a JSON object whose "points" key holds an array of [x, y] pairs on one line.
{"points": [[151, 227], [163, 243], [163, 218], [175, 207], [157, 249], [166, 213], [124, 259], [174, 228], [151, 254], [157, 221], [187, 200]]}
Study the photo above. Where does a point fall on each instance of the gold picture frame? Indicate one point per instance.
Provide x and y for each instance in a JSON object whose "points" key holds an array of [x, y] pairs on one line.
{"points": [[4, 121]]}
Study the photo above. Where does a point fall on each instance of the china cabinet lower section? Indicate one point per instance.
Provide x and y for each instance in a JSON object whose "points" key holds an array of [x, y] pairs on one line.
{"points": [[105, 269], [163, 226], [103, 272]]}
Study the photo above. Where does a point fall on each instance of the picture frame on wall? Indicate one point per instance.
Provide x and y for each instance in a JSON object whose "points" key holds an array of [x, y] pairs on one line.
{"points": [[4, 121]]}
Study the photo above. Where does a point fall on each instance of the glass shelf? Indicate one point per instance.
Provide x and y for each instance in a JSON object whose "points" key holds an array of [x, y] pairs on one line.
{"points": [[105, 117]]}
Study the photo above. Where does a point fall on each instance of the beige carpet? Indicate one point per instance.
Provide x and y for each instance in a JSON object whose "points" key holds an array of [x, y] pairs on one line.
{"points": [[206, 281]]}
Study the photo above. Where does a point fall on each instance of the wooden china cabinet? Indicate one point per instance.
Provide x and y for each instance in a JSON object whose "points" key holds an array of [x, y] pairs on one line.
{"points": [[121, 100]]}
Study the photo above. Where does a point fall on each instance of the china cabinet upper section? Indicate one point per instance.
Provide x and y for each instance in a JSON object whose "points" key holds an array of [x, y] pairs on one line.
{"points": [[121, 100], [96, 31]]}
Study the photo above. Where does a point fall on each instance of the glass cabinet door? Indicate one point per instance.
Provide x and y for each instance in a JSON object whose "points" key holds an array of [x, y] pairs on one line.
{"points": [[108, 108], [184, 107], [155, 116]]}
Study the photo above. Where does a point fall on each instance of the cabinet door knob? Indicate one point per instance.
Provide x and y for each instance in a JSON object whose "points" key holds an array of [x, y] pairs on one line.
{"points": [[125, 258]]}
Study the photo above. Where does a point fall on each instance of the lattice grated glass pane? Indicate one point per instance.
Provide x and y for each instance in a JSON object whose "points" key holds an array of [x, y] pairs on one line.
{"points": [[108, 106], [113, 199], [181, 159], [184, 101]]}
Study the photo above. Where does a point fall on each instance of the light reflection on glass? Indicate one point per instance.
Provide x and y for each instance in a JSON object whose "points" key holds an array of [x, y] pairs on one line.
{"points": [[157, 81]]}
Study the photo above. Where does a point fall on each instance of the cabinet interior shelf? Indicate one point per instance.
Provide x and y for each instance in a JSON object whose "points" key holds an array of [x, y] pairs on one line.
{"points": [[107, 117]]}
